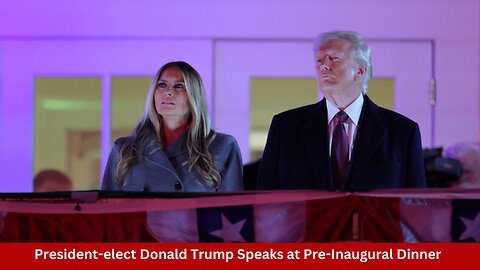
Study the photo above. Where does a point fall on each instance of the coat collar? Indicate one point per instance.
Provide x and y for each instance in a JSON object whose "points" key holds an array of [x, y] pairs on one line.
{"points": [[155, 154]]}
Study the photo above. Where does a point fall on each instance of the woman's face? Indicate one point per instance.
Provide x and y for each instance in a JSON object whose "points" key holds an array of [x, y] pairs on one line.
{"points": [[171, 100]]}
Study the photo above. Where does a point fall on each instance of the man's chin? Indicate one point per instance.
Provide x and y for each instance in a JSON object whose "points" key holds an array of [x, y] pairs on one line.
{"points": [[328, 87], [326, 82]]}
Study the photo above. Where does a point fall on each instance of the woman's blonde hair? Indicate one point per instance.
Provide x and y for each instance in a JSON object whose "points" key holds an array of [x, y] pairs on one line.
{"points": [[150, 126]]}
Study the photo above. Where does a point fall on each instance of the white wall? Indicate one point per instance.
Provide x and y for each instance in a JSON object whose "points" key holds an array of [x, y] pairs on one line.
{"points": [[453, 25]]}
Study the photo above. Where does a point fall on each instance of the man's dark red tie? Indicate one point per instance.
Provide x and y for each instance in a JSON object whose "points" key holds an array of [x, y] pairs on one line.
{"points": [[339, 149]]}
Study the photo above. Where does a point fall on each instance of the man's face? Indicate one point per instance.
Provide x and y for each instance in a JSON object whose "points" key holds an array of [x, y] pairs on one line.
{"points": [[335, 68]]}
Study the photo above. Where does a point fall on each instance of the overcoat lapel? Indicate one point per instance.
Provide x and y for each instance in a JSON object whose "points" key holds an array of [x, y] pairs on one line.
{"points": [[314, 139], [370, 134], [156, 156]]}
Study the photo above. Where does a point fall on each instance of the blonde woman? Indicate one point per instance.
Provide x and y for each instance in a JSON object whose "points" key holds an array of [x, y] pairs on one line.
{"points": [[173, 149]]}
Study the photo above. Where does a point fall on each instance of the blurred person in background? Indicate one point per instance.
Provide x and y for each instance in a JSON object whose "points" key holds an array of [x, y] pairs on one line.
{"points": [[51, 180], [469, 156]]}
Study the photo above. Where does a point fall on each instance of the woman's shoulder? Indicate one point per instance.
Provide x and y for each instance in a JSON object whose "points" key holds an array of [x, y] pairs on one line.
{"points": [[222, 138], [223, 143], [122, 140], [131, 141]]}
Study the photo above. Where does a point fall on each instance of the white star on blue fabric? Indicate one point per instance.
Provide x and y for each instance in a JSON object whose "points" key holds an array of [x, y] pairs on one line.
{"points": [[229, 232], [472, 228]]}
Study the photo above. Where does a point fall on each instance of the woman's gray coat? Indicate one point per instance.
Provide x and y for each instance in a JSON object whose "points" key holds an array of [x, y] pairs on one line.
{"points": [[162, 170]]}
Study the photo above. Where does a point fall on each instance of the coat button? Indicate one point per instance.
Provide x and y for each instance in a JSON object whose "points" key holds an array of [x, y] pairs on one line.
{"points": [[178, 185]]}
